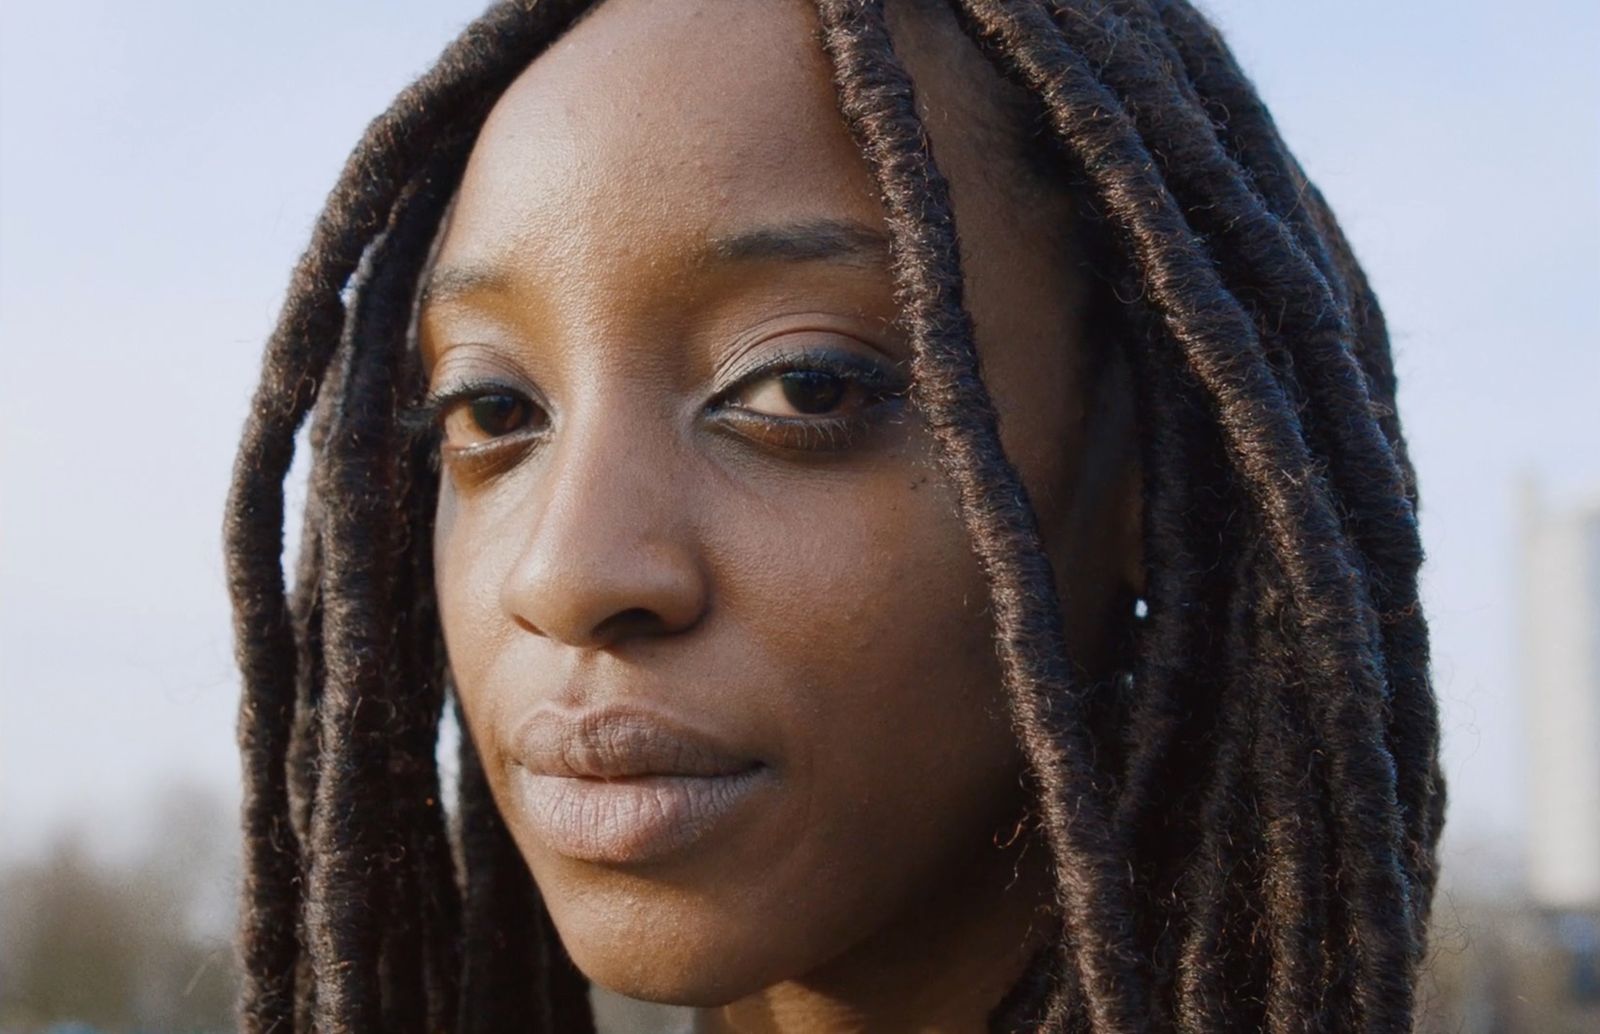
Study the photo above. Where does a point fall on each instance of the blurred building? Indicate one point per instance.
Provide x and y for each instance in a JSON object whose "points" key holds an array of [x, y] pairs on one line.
{"points": [[1560, 614]]}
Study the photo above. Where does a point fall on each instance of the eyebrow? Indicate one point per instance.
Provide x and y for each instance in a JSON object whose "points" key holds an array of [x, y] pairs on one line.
{"points": [[844, 241], [841, 241], [449, 283]]}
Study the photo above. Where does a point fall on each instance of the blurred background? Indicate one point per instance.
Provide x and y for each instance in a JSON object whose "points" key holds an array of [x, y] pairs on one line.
{"points": [[160, 167]]}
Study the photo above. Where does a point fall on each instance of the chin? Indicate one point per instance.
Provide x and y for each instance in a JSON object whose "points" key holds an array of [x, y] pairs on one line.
{"points": [[639, 946]]}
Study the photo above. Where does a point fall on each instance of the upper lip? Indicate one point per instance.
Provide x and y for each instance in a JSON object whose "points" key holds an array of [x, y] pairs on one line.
{"points": [[618, 743]]}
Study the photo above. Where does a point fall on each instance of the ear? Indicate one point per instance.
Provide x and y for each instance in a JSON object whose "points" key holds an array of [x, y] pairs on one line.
{"points": [[1130, 522], [1099, 546], [1115, 414]]}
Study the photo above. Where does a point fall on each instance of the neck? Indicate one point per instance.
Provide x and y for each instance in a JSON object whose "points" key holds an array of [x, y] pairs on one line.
{"points": [[941, 966]]}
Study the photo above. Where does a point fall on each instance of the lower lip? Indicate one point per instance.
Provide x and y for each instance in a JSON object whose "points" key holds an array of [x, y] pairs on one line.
{"points": [[638, 819]]}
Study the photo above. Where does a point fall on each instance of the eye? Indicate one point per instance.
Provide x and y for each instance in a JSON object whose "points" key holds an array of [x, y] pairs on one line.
{"points": [[796, 386], [493, 415], [795, 393], [812, 399], [474, 415]]}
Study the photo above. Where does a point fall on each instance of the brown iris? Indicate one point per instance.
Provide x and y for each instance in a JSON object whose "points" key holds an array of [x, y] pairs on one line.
{"points": [[812, 391]]}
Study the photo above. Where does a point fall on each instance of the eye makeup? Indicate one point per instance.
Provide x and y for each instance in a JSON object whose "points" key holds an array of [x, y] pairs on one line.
{"points": [[795, 398], [812, 382]]}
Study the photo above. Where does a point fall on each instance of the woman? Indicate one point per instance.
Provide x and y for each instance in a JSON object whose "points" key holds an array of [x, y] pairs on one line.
{"points": [[809, 677]]}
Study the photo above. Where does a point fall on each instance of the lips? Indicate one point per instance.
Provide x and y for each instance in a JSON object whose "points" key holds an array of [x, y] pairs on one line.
{"points": [[626, 786]]}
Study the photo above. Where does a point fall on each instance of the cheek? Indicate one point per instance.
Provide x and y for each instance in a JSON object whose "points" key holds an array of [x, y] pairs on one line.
{"points": [[902, 748], [876, 598], [473, 548], [898, 766], [850, 631]]}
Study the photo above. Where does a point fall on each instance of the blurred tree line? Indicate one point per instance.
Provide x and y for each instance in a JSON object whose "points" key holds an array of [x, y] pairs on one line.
{"points": [[136, 942], [1501, 967], [141, 941]]}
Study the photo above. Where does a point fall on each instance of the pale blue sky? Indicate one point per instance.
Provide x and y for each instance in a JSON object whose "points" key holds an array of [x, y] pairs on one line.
{"points": [[160, 165]]}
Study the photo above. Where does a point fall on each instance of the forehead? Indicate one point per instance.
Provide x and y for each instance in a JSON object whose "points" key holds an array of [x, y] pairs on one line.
{"points": [[655, 123]]}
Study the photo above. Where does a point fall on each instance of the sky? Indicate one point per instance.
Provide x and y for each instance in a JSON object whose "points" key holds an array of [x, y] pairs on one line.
{"points": [[161, 165]]}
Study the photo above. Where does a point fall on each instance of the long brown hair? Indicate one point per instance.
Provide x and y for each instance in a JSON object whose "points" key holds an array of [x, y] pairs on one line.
{"points": [[1243, 833]]}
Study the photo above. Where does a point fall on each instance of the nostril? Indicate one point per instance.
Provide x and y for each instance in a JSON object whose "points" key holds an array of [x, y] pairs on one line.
{"points": [[635, 621], [588, 586]]}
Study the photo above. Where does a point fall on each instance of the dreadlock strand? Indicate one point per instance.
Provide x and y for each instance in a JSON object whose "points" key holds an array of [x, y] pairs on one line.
{"points": [[498, 914], [437, 883], [516, 973], [1245, 126], [1200, 989], [358, 949], [1203, 985], [1173, 654], [1219, 339], [268, 937], [876, 98], [419, 795], [1311, 324], [419, 932], [1413, 710], [420, 670], [1380, 526], [1169, 691], [303, 749], [403, 988], [341, 912], [1265, 438], [1181, 681], [1372, 333], [306, 609], [485, 57], [1248, 130], [1292, 799], [1273, 263]]}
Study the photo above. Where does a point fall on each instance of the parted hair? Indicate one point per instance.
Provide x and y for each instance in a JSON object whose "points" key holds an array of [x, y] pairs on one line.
{"points": [[1242, 834]]}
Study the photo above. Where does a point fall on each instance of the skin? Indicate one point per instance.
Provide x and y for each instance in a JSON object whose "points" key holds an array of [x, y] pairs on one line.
{"points": [[644, 530]]}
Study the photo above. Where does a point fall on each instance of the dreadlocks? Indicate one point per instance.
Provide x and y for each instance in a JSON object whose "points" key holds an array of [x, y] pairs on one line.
{"points": [[1243, 839]]}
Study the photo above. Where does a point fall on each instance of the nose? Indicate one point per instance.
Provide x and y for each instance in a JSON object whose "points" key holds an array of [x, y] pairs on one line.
{"points": [[612, 552]]}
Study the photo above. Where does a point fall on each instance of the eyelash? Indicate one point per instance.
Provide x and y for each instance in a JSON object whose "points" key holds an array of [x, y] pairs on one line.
{"points": [[801, 434], [815, 433], [429, 414]]}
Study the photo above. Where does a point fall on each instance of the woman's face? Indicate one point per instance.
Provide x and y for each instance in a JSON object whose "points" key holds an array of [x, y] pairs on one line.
{"points": [[716, 628]]}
